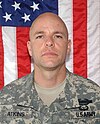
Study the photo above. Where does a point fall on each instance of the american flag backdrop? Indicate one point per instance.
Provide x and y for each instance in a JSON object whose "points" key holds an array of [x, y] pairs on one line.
{"points": [[82, 18]]}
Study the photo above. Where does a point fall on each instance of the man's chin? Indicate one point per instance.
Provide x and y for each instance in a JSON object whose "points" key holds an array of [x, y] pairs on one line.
{"points": [[50, 67]]}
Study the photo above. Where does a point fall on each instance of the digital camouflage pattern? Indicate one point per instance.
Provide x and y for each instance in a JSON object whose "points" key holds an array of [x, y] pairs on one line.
{"points": [[78, 104]]}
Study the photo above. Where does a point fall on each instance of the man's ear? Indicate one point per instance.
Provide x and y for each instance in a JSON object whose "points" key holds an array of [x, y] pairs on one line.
{"points": [[69, 47], [29, 48]]}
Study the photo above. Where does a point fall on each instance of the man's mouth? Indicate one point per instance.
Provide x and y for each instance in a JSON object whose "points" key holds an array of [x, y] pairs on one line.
{"points": [[49, 53]]}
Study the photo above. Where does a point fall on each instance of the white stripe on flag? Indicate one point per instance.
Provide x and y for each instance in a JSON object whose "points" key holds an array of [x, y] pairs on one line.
{"points": [[66, 13], [93, 45], [10, 60]]}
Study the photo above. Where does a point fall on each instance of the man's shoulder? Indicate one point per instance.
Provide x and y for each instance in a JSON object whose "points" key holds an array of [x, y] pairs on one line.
{"points": [[9, 91], [18, 82], [81, 81], [83, 85], [85, 82]]}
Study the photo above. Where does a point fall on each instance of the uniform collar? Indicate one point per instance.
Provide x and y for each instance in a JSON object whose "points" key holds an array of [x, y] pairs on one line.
{"points": [[67, 99], [29, 94]]}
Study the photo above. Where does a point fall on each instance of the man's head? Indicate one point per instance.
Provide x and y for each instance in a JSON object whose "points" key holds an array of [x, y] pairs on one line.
{"points": [[49, 42]]}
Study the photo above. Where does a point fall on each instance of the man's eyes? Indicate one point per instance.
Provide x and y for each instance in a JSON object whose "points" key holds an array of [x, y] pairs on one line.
{"points": [[39, 36], [58, 36]]}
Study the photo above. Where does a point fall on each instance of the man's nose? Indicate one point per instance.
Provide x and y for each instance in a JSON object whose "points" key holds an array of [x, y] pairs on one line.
{"points": [[49, 42]]}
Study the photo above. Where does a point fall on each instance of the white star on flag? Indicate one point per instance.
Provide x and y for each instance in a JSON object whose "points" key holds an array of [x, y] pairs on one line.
{"points": [[0, 4], [26, 17], [7, 16], [16, 5], [35, 6]]}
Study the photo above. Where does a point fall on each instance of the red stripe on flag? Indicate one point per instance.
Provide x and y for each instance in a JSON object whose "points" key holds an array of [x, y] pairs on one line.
{"points": [[23, 58], [80, 37], [1, 61]]}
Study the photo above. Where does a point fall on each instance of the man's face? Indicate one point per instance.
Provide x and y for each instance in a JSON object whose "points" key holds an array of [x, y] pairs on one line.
{"points": [[48, 43]]}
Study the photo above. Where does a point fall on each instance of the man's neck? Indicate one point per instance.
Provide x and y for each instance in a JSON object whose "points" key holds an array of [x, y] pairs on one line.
{"points": [[48, 78]]}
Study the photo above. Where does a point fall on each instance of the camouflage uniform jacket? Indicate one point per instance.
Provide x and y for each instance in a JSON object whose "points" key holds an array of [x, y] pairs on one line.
{"points": [[78, 104]]}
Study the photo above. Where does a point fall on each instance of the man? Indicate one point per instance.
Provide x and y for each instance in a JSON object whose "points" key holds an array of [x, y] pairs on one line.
{"points": [[50, 94]]}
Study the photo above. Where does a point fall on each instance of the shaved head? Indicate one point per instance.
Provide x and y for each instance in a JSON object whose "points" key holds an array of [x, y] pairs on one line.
{"points": [[50, 17]]}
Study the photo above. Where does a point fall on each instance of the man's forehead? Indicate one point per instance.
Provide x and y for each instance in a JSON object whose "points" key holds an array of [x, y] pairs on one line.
{"points": [[46, 19], [53, 32]]}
